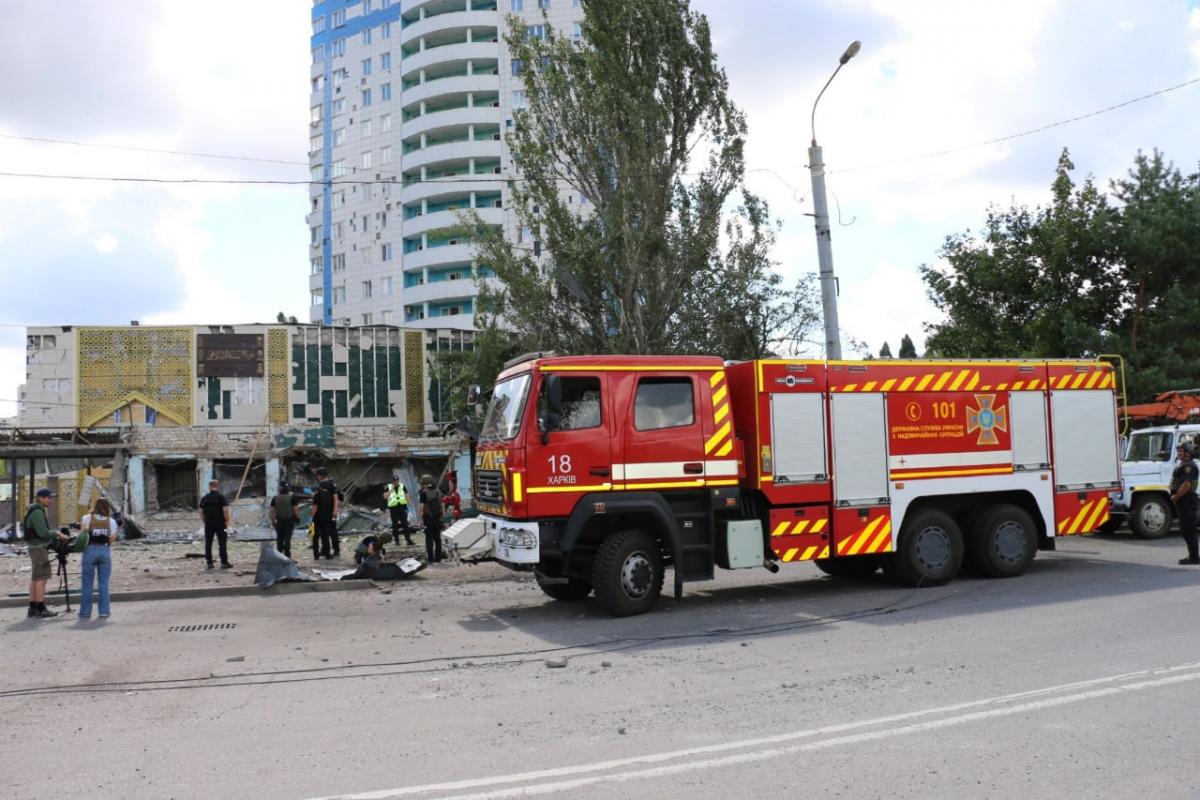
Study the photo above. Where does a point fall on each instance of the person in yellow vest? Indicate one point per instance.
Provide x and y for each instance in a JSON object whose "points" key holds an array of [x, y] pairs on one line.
{"points": [[397, 502]]}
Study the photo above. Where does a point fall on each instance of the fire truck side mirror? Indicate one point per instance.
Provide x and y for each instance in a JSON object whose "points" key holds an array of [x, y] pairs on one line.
{"points": [[473, 394]]}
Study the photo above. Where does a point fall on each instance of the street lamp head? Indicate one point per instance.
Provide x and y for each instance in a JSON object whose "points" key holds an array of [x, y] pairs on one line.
{"points": [[851, 51]]}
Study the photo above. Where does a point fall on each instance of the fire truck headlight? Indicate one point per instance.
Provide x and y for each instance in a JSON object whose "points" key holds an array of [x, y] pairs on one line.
{"points": [[511, 537]]}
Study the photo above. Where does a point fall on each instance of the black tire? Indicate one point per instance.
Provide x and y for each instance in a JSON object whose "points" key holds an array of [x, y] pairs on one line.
{"points": [[854, 567], [929, 551], [627, 573], [1002, 542], [1151, 516], [574, 590]]}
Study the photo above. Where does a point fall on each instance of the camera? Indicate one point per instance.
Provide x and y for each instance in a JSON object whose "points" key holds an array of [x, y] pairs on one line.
{"points": [[59, 547]]}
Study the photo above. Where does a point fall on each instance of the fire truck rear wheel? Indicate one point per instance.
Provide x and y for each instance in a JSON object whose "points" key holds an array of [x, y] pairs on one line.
{"points": [[929, 551], [573, 590], [853, 567], [1002, 541], [627, 573]]}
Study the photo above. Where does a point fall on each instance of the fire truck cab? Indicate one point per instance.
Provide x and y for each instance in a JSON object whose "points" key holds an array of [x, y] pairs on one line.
{"points": [[598, 473]]}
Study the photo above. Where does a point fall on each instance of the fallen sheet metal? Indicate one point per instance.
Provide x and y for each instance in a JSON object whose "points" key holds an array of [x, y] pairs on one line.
{"points": [[274, 567]]}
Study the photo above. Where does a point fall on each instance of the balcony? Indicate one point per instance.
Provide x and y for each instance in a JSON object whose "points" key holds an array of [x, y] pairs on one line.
{"points": [[448, 54], [446, 219], [435, 120], [438, 256], [452, 152], [451, 85], [440, 292], [446, 22], [436, 188]]}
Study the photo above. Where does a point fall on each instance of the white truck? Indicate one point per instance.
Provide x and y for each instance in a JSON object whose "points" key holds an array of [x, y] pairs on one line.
{"points": [[1145, 499]]}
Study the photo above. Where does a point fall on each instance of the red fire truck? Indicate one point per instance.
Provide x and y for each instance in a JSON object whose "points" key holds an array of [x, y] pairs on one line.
{"points": [[599, 472]]}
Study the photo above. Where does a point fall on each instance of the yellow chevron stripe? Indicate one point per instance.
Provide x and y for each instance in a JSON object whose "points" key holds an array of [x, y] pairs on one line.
{"points": [[720, 395], [869, 386], [942, 380], [987, 388], [725, 449], [780, 529], [819, 525], [924, 382], [885, 533], [1002, 387], [865, 535], [849, 387], [1063, 381], [716, 378], [1078, 380], [1094, 522], [716, 438], [974, 382], [721, 413], [824, 552], [907, 382], [887, 385], [1077, 522], [809, 553], [1062, 526], [790, 554], [962, 376], [1033, 384], [800, 526], [1092, 380]]}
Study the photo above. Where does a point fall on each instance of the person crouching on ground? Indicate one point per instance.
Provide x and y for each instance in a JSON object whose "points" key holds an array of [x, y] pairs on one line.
{"points": [[101, 530], [37, 536], [431, 516]]}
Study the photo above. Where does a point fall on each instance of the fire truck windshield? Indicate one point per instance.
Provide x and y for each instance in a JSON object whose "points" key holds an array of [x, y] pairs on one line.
{"points": [[1152, 446], [503, 420]]}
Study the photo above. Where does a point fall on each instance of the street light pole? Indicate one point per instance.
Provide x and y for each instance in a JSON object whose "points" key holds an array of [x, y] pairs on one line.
{"points": [[816, 163]]}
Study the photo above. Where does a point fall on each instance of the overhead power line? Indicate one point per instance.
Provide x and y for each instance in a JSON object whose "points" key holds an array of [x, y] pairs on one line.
{"points": [[1011, 136], [162, 151]]}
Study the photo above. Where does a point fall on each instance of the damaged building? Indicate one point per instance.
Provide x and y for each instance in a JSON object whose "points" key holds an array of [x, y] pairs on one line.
{"points": [[246, 405]]}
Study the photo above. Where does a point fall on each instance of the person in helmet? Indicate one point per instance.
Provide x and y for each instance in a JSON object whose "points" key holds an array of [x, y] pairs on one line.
{"points": [[284, 512], [431, 516], [1183, 493]]}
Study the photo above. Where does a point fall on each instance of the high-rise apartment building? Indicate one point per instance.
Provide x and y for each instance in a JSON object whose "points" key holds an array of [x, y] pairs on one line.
{"points": [[410, 103]]}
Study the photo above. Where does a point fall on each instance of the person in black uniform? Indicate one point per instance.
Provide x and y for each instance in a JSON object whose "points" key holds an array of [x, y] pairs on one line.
{"points": [[284, 511], [214, 510], [325, 503], [1183, 492], [431, 517]]}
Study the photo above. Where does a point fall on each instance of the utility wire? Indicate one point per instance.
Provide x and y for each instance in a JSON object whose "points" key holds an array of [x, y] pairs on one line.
{"points": [[1011, 136], [136, 149]]}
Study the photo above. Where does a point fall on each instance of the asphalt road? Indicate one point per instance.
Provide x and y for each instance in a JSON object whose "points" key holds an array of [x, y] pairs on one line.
{"points": [[1078, 680]]}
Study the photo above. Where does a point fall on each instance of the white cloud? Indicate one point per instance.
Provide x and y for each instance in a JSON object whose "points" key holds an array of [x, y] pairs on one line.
{"points": [[107, 243]]}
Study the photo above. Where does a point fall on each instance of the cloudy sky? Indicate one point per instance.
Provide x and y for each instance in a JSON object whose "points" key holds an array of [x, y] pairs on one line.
{"points": [[228, 77]]}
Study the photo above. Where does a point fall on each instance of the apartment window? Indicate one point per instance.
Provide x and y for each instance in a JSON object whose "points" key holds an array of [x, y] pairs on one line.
{"points": [[366, 127], [577, 31], [315, 265], [366, 7], [516, 5], [385, 123], [366, 160], [385, 61], [385, 252], [339, 136], [316, 113], [386, 286], [339, 294], [318, 55], [317, 297], [385, 155], [338, 168], [338, 262], [543, 3], [339, 47], [315, 173], [339, 75], [516, 66], [338, 230], [314, 234], [453, 276], [536, 32], [316, 83], [339, 18], [525, 234], [367, 36], [319, 24], [386, 317], [366, 97], [339, 106], [518, 99], [368, 319], [385, 92], [366, 66], [366, 290], [385, 30]]}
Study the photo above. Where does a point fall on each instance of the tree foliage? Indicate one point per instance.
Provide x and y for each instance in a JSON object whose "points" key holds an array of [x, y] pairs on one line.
{"points": [[1090, 273], [907, 348], [630, 167], [885, 351]]}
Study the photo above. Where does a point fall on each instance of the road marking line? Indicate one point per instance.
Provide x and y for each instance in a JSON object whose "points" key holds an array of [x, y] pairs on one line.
{"points": [[956, 714]]}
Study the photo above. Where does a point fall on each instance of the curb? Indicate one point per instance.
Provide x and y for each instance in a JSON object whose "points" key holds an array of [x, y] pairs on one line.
{"points": [[278, 589]]}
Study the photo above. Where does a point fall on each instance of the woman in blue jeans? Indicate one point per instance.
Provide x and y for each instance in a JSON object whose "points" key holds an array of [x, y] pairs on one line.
{"points": [[101, 529]]}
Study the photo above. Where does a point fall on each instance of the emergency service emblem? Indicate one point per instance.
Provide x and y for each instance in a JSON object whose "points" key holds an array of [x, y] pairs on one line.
{"points": [[987, 419]]}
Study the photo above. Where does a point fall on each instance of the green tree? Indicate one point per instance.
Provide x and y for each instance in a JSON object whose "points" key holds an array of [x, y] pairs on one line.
{"points": [[907, 348], [1083, 276], [885, 351], [631, 167], [284, 319]]}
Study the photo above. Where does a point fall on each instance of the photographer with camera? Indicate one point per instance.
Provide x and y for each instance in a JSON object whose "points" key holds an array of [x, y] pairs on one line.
{"points": [[101, 530], [38, 536]]}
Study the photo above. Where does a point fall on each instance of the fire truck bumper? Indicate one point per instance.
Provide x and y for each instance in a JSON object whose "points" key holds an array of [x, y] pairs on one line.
{"points": [[516, 544]]}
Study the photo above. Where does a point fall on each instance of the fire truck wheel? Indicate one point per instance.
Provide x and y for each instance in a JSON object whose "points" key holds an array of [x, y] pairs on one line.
{"points": [[854, 567], [627, 573], [929, 552], [1002, 542], [575, 589], [1151, 516]]}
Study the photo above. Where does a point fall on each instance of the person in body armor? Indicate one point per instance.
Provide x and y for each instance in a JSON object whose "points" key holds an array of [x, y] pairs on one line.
{"points": [[37, 535], [284, 512], [325, 503], [1183, 493], [397, 502], [431, 517], [101, 529]]}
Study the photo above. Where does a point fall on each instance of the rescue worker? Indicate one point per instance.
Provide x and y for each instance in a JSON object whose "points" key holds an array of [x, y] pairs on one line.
{"points": [[217, 519], [397, 503], [284, 512], [325, 504], [37, 536], [430, 510], [1183, 493]]}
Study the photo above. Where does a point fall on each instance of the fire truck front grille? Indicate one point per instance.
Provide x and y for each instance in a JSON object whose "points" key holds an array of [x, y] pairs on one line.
{"points": [[488, 487]]}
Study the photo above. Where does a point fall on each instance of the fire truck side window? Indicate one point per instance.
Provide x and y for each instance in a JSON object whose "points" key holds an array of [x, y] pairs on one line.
{"points": [[580, 403], [664, 403]]}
